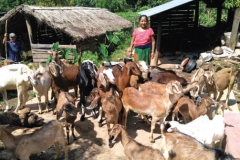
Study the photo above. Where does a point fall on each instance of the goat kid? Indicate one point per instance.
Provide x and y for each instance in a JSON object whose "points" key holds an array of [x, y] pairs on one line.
{"points": [[221, 80], [38, 141], [111, 106], [187, 108], [132, 149], [41, 82], [66, 112]]}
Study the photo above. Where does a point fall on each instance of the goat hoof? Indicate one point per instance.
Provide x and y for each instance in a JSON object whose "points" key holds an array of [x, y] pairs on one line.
{"points": [[110, 145], [99, 124], [152, 140]]}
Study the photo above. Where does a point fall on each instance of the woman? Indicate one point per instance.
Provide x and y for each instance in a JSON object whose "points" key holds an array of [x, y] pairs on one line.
{"points": [[143, 41]]}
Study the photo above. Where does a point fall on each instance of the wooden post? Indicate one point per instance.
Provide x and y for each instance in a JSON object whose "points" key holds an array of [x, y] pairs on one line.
{"points": [[29, 29], [158, 42], [6, 49], [234, 33]]}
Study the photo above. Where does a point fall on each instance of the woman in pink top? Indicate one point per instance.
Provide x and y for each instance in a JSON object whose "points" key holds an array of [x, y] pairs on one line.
{"points": [[143, 41]]}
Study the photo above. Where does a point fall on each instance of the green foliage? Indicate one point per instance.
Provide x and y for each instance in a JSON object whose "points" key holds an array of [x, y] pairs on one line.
{"points": [[208, 16], [231, 3], [109, 46], [93, 56], [65, 52], [112, 5]]}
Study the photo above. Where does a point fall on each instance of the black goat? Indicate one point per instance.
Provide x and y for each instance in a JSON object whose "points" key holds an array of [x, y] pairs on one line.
{"points": [[87, 81]]}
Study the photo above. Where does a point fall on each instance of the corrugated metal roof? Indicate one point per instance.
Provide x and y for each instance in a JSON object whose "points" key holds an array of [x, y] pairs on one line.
{"points": [[164, 7]]}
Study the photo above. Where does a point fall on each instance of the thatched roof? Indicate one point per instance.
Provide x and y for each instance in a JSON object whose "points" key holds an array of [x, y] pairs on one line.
{"points": [[78, 22]]}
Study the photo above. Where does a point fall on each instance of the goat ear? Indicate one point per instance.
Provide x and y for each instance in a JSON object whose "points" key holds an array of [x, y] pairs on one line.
{"points": [[50, 52], [116, 133], [169, 88], [83, 75], [128, 70], [102, 79]]}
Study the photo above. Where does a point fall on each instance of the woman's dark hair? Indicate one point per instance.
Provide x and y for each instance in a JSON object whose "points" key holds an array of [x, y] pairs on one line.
{"points": [[143, 16]]}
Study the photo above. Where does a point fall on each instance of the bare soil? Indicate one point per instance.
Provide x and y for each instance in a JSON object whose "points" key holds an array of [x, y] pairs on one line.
{"points": [[92, 140]]}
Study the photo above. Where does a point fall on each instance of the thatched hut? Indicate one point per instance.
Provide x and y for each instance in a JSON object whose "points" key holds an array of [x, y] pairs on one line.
{"points": [[38, 27]]}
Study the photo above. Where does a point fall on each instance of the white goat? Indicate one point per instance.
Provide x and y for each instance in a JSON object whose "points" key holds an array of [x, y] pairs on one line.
{"points": [[204, 130], [41, 82], [15, 76]]}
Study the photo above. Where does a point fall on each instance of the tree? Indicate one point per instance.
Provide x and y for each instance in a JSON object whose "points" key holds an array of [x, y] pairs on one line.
{"points": [[231, 3]]}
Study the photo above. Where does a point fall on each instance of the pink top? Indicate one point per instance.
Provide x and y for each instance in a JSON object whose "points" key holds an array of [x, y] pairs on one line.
{"points": [[142, 38]]}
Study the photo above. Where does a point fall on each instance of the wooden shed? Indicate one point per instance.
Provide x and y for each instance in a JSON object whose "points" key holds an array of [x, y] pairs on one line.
{"points": [[38, 27], [176, 25]]}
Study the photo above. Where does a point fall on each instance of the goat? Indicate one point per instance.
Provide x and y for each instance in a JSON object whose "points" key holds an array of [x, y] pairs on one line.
{"points": [[135, 80], [41, 82], [189, 110], [217, 109], [199, 77], [222, 80], [133, 149], [105, 78], [158, 88], [67, 111], [55, 57], [184, 147], [167, 76], [38, 141], [158, 106], [204, 130], [87, 81], [63, 80], [111, 106], [123, 74], [15, 77]]}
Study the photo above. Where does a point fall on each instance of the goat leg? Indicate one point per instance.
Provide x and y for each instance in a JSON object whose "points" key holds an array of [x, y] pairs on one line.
{"points": [[153, 123], [57, 150], [100, 117], [4, 94], [67, 130], [39, 105], [94, 113], [46, 103], [110, 144], [72, 128]]}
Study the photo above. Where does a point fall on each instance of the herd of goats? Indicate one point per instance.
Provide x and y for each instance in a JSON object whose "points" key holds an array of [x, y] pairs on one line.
{"points": [[114, 90]]}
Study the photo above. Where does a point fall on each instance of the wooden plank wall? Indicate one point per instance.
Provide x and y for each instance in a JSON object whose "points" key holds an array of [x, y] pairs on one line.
{"points": [[40, 52], [175, 24]]}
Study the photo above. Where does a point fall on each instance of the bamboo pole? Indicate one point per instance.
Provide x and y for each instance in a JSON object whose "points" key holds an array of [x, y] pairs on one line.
{"points": [[6, 49]]}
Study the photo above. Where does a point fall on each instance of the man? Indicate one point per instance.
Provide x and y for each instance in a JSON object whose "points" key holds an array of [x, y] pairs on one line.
{"points": [[13, 46]]}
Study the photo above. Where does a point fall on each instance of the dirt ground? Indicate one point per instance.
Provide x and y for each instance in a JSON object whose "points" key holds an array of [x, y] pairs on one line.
{"points": [[92, 140]]}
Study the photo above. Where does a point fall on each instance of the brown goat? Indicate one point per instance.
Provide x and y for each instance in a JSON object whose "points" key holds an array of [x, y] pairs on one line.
{"points": [[66, 112], [64, 79], [222, 80], [165, 77], [38, 141], [158, 88], [189, 110], [185, 147], [133, 149], [123, 74], [111, 106], [158, 106]]}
